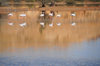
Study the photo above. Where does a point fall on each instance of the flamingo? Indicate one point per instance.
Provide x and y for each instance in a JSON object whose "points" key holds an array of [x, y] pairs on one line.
{"points": [[11, 23], [22, 24], [22, 15], [59, 15], [73, 24], [42, 15], [10, 14], [51, 24], [59, 24], [74, 14], [42, 23], [51, 14]]}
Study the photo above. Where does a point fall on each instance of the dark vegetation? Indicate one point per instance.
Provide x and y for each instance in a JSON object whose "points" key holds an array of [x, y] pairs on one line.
{"points": [[44, 2]]}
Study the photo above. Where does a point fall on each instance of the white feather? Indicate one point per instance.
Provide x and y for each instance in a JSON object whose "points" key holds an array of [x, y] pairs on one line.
{"points": [[51, 24], [22, 24], [59, 24], [42, 15], [22, 14], [11, 23], [42, 23], [51, 14], [10, 14], [59, 15], [73, 24], [74, 14]]}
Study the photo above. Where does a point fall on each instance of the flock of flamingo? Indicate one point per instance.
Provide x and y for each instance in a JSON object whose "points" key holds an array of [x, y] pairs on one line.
{"points": [[21, 15], [42, 23], [59, 15]]}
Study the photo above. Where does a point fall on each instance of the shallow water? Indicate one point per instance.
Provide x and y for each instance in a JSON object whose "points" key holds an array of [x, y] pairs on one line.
{"points": [[35, 45], [82, 54]]}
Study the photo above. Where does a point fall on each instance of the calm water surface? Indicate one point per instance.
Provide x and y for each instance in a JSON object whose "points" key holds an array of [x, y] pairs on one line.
{"points": [[65, 45]]}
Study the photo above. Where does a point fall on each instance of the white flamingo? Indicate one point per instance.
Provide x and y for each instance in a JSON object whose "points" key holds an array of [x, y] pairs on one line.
{"points": [[59, 15], [22, 15], [11, 23], [59, 24], [42, 23], [22, 24], [42, 15], [51, 14], [51, 24], [10, 14], [73, 14], [73, 24]]}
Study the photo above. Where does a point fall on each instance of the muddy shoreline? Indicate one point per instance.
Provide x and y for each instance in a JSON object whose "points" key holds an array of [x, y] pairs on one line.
{"points": [[4, 10]]}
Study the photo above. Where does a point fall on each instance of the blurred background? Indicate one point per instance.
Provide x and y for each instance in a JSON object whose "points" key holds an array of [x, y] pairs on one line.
{"points": [[49, 32]]}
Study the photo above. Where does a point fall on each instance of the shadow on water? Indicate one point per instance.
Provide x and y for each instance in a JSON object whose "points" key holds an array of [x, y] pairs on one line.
{"points": [[41, 29]]}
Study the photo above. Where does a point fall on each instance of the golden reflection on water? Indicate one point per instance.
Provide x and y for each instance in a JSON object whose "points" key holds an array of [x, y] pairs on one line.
{"points": [[87, 27]]}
